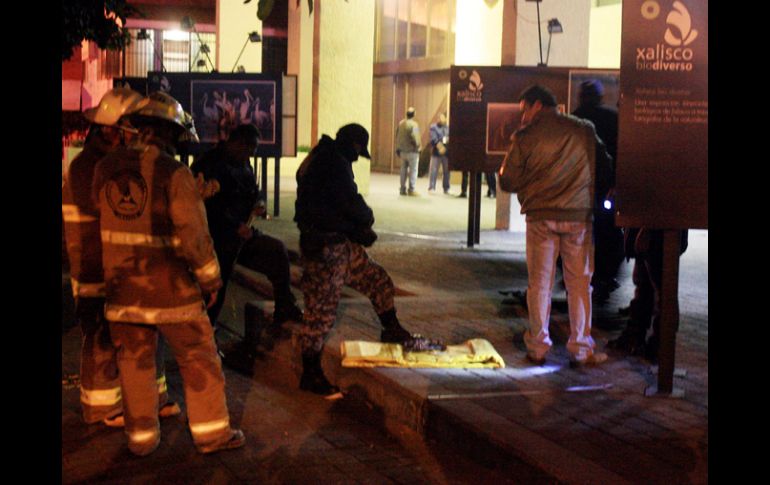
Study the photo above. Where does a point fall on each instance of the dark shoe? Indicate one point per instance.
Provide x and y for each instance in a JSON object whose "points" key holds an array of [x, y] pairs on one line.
{"points": [[234, 440], [402, 192], [463, 195], [318, 384], [392, 331], [313, 378], [629, 341], [446, 191], [395, 335], [287, 313]]}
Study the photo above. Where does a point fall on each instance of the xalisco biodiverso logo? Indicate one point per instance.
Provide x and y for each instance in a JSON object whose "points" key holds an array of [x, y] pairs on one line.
{"points": [[675, 52]]}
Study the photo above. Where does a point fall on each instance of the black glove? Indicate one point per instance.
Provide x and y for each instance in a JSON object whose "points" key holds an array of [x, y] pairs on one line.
{"points": [[311, 245], [365, 236]]}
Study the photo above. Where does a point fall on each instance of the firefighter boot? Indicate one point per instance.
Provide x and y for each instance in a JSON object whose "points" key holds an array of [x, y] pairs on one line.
{"points": [[313, 378]]}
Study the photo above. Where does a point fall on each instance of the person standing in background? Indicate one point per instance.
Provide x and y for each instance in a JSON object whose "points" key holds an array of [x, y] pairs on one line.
{"points": [[408, 150], [439, 137]]}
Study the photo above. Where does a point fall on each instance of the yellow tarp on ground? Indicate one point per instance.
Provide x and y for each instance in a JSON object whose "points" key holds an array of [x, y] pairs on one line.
{"points": [[474, 353]]}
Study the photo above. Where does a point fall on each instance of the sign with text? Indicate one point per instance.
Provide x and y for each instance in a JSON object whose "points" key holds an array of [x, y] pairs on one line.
{"points": [[662, 167], [484, 108], [219, 102]]}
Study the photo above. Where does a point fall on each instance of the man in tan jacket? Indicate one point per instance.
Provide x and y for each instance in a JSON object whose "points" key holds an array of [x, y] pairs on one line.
{"points": [[553, 167]]}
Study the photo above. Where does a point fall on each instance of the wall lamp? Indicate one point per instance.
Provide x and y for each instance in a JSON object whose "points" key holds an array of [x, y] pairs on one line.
{"points": [[554, 27], [187, 23], [252, 37]]}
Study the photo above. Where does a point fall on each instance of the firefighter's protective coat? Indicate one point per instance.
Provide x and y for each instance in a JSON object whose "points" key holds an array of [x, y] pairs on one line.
{"points": [[158, 254]]}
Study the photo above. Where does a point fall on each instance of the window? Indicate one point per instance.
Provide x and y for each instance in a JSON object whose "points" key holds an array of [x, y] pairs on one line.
{"points": [[439, 25], [176, 52], [386, 27], [402, 28], [203, 52], [418, 25], [411, 29], [140, 53]]}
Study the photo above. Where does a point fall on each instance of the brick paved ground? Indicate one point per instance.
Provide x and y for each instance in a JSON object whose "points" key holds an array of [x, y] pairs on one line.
{"points": [[574, 425]]}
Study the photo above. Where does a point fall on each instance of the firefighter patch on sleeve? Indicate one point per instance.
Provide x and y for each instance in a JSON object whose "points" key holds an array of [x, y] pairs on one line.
{"points": [[126, 193]]}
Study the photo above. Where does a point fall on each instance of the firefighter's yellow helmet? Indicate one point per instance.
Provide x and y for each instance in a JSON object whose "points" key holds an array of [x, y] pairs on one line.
{"points": [[116, 103], [189, 135], [163, 106]]}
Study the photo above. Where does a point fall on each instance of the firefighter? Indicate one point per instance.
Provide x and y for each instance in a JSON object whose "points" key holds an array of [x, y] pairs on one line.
{"points": [[100, 395], [159, 268]]}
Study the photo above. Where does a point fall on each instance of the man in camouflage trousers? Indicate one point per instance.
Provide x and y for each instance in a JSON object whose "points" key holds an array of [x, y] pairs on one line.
{"points": [[335, 225]]}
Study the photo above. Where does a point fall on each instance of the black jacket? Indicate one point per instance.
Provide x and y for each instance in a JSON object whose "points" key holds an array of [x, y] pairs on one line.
{"points": [[327, 194], [605, 120], [237, 196]]}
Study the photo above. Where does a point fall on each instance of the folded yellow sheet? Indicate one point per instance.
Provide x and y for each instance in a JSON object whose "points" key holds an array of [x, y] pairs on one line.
{"points": [[474, 353]]}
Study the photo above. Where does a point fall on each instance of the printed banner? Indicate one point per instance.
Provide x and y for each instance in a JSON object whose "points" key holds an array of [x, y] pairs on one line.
{"points": [[662, 167], [484, 108], [219, 102]]}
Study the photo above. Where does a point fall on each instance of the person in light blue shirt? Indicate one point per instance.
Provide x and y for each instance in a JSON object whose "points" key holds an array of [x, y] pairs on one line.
{"points": [[439, 138]]}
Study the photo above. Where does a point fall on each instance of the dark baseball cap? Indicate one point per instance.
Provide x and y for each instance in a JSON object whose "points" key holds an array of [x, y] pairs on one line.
{"points": [[355, 133], [592, 87]]}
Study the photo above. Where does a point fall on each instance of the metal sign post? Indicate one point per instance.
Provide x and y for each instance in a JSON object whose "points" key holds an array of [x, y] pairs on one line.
{"points": [[474, 209], [669, 318], [662, 166]]}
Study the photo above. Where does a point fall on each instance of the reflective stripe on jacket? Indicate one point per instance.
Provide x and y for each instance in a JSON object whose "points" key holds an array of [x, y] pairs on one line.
{"points": [[158, 254], [81, 223]]}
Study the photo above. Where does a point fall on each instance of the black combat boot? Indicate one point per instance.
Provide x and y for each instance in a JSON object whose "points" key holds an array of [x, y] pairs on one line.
{"points": [[313, 378], [285, 310], [392, 331]]}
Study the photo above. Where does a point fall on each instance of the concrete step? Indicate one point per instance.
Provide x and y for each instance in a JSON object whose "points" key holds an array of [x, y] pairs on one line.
{"points": [[409, 401]]}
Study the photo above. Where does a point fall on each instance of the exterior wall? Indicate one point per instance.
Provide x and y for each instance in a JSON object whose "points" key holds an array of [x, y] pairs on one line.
{"points": [[346, 63], [303, 20], [479, 30], [80, 79], [234, 22], [604, 38], [569, 49]]}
